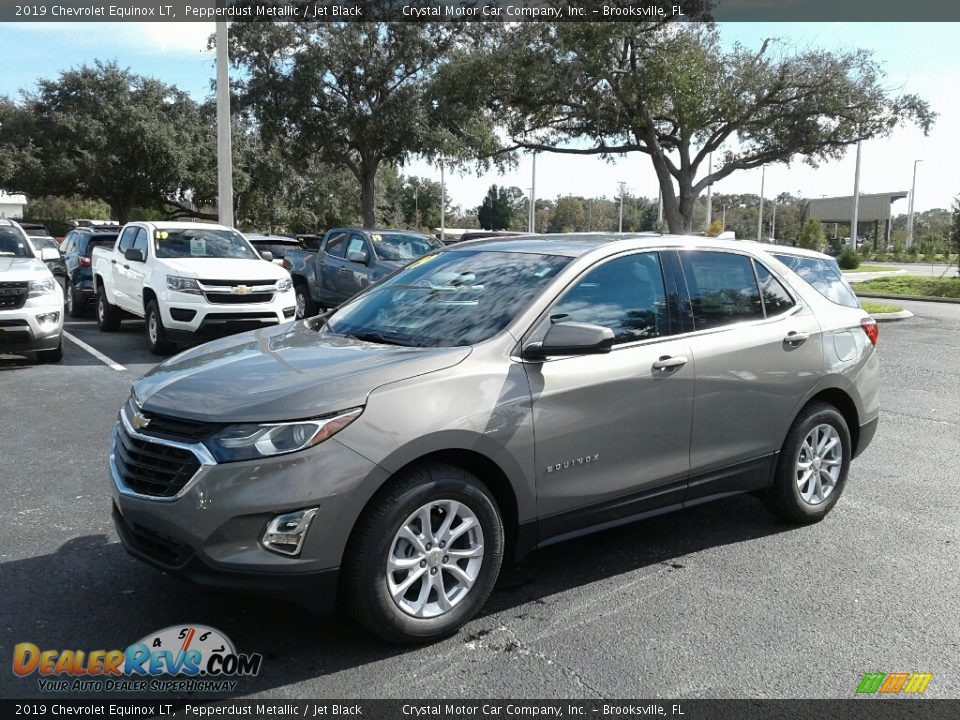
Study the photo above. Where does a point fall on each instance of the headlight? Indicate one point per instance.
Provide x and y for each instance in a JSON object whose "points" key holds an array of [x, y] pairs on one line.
{"points": [[182, 284], [284, 285], [42, 287], [248, 442]]}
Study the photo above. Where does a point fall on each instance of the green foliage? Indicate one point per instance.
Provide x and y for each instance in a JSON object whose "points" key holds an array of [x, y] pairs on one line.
{"points": [[912, 285], [498, 207], [955, 228], [716, 227], [106, 134], [57, 212], [848, 259], [812, 236], [568, 215]]}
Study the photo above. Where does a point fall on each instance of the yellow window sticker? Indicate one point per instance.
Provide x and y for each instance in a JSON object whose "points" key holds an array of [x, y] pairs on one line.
{"points": [[377, 238], [162, 234]]}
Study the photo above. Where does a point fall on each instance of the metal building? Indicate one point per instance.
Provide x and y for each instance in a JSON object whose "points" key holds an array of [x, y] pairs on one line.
{"points": [[873, 207]]}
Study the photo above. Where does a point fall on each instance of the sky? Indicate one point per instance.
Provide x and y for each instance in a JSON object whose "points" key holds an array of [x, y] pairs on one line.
{"points": [[921, 58]]}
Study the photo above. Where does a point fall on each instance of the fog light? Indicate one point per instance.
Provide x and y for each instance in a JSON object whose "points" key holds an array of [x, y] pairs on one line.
{"points": [[285, 533], [49, 318]]}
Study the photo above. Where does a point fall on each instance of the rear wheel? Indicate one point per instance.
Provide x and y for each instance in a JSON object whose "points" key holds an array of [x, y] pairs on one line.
{"points": [[108, 316], [306, 307], [156, 334], [425, 555], [70, 303], [813, 465]]}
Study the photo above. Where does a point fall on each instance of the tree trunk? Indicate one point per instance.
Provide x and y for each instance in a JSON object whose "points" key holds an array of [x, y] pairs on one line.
{"points": [[368, 194], [120, 210]]}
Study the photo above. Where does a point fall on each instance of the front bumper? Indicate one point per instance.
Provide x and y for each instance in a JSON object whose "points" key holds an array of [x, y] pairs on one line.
{"points": [[21, 331], [189, 317], [210, 531]]}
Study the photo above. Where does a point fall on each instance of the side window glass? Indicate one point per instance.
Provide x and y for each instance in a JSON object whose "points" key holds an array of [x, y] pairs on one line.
{"points": [[357, 244], [140, 242], [776, 299], [65, 246], [723, 288], [336, 245], [625, 295], [126, 239]]}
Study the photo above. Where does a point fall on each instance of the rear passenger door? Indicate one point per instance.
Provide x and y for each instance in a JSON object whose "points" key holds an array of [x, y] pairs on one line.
{"points": [[353, 276], [331, 260], [758, 351]]}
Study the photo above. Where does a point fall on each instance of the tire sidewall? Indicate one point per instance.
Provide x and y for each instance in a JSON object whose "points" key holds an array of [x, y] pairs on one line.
{"points": [[374, 559], [818, 415]]}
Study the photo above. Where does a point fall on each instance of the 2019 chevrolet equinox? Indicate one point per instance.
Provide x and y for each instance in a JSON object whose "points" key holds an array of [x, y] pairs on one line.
{"points": [[490, 398]]}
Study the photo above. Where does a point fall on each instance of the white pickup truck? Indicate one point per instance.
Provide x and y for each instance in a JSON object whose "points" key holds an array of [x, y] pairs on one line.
{"points": [[189, 281]]}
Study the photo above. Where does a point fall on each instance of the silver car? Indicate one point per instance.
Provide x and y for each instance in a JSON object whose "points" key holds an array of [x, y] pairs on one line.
{"points": [[491, 398]]}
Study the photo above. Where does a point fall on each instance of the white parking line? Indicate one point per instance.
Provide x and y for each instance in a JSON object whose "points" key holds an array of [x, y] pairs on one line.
{"points": [[96, 353]]}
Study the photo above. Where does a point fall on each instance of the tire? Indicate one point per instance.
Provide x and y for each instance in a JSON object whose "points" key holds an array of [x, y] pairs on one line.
{"points": [[156, 334], [378, 537], [794, 498], [306, 307], [51, 356], [108, 316], [70, 303]]}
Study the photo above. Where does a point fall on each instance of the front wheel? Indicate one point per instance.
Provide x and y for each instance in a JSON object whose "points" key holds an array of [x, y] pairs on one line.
{"points": [[306, 307], [156, 334], [813, 465], [425, 555]]}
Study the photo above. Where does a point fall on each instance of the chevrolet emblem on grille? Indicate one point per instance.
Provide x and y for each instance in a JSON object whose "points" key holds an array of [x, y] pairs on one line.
{"points": [[241, 289], [139, 421]]}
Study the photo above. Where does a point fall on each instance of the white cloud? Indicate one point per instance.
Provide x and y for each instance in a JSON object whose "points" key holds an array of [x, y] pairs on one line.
{"points": [[149, 38]]}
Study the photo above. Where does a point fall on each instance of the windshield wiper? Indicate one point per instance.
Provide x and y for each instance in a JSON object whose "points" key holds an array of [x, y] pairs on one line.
{"points": [[375, 337]]}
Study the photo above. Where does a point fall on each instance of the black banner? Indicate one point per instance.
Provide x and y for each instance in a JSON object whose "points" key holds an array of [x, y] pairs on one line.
{"points": [[479, 10], [853, 709]]}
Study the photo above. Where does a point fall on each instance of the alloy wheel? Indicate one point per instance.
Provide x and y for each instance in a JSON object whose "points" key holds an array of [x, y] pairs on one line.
{"points": [[818, 464]]}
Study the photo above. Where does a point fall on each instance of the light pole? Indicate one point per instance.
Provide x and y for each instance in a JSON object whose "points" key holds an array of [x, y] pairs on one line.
{"points": [[856, 202], [659, 206], [224, 144], [773, 221], [763, 178], [709, 191], [533, 196], [723, 218], [913, 189], [622, 183], [443, 204]]}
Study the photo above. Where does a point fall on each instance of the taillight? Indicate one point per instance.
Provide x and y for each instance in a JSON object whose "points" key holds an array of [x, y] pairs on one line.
{"points": [[83, 261], [871, 328]]}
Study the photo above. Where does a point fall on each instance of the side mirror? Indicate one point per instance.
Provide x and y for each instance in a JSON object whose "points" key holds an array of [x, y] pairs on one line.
{"points": [[571, 338], [133, 255], [48, 254], [267, 255], [358, 257]]}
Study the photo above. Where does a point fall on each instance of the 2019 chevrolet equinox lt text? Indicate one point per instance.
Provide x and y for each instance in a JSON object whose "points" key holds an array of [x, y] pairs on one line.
{"points": [[490, 398]]}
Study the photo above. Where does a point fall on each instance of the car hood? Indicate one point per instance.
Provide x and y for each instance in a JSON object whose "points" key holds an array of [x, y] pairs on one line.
{"points": [[225, 269], [22, 269], [287, 372]]}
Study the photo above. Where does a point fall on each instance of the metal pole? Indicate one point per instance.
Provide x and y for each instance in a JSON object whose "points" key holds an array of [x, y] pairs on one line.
{"points": [[443, 204], [723, 220], [659, 206], [709, 191], [224, 144], [856, 203], [763, 178], [533, 195], [773, 221], [913, 189], [621, 205]]}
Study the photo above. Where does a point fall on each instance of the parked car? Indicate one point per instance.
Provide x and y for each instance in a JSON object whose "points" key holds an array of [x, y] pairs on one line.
{"points": [[349, 260], [55, 262], [276, 247], [481, 234], [485, 400], [35, 229], [31, 303], [188, 281], [77, 250]]}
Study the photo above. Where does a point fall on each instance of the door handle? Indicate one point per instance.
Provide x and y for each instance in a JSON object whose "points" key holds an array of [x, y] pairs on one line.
{"points": [[666, 363], [796, 338], [113, 262], [127, 267]]}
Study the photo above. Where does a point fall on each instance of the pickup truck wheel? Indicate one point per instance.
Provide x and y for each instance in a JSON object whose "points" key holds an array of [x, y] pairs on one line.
{"points": [[306, 307], [156, 335], [70, 303], [424, 556], [51, 356], [108, 316]]}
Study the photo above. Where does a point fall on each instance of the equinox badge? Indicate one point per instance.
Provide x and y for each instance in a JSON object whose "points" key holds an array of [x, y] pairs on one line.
{"points": [[567, 464]]}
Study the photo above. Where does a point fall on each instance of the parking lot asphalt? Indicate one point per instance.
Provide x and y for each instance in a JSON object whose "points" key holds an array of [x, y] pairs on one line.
{"points": [[718, 601]]}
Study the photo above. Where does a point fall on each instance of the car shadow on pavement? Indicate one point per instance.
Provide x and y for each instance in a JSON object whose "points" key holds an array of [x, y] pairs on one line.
{"points": [[90, 594]]}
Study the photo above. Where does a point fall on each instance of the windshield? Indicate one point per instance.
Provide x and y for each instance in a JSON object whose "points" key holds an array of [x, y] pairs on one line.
{"points": [[824, 275], [403, 248], [202, 243], [39, 243], [13, 244], [447, 299]]}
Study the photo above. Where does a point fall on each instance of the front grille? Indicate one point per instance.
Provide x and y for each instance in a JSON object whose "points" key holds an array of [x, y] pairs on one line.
{"points": [[149, 468], [229, 299], [174, 428], [13, 295], [231, 283]]}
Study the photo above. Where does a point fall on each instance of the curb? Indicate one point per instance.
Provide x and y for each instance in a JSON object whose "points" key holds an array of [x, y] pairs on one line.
{"points": [[916, 298], [854, 278], [892, 317]]}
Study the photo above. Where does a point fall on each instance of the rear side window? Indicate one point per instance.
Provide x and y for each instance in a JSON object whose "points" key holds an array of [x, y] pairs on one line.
{"points": [[625, 294], [99, 241], [824, 275], [776, 299], [723, 288]]}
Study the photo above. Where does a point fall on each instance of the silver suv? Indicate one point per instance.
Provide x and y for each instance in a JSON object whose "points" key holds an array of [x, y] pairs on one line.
{"points": [[488, 399]]}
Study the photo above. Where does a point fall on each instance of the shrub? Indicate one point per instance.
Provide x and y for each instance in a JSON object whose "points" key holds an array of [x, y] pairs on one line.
{"points": [[849, 259]]}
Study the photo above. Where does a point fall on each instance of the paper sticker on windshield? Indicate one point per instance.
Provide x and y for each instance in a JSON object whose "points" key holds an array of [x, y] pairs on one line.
{"points": [[198, 246], [377, 238], [162, 234]]}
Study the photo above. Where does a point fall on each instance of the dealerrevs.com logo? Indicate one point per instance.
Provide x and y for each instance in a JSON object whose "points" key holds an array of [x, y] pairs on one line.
{"points": [[898, 683], [180, 658]]}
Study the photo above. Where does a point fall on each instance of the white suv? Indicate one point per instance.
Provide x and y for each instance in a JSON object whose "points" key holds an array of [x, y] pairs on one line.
{"points": [[189, 281], [31, 301]]}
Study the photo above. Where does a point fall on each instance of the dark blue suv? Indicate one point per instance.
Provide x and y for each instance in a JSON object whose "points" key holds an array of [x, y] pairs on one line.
{"points": [[76, 249]]}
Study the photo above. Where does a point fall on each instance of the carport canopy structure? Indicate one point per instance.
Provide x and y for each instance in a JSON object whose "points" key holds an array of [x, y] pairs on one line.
{"points": [[872, 207]]}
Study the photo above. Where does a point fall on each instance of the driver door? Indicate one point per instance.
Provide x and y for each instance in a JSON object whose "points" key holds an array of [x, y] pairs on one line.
{"points": [[613, 430]]}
